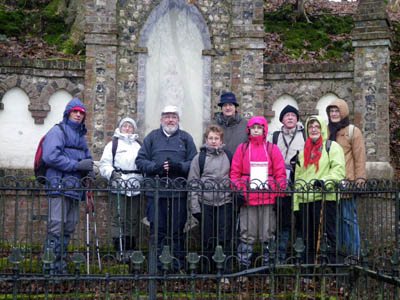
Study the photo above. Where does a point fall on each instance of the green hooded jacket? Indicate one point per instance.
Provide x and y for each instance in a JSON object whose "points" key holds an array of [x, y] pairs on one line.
{"points": [[332, 168]]}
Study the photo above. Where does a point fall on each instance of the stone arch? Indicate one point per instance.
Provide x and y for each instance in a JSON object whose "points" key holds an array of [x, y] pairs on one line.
{"points": [[23, 130], [40, 107], [197, 91]]}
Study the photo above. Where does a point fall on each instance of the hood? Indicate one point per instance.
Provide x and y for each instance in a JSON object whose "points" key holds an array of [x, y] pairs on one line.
{"points": [[71, 104], [324, 127], [129, 138], [257, 120], [342, 106], [129, 120]]}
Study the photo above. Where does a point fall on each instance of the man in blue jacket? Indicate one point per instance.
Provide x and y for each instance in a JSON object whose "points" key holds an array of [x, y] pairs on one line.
{"points": [[67, 157], [168, 152]]}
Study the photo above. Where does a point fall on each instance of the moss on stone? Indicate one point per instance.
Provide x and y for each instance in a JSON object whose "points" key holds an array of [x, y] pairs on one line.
{"points": [[300, 37]]}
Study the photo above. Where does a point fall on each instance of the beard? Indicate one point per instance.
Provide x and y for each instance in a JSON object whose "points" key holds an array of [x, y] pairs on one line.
{"points": [[170, 129]]}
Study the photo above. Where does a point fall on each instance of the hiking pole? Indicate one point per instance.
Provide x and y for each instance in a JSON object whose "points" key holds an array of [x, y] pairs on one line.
{"points": [[321, 219], [120, 225], [91, 201], [87, 236]]}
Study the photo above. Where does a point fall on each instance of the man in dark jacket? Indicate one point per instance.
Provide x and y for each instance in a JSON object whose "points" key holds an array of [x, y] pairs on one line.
{"points": [[229, 119], [167, 152], [67, 157], [290, 140]]}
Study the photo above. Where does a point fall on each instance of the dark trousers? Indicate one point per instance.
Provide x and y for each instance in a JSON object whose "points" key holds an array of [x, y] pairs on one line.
{"points": [[216, 229], [309, 221], [172, 213], [284, 224]]}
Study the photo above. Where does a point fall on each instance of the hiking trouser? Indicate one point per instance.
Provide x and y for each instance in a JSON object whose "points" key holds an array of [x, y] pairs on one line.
{"points": [[172, 213], [257, 222], [63, 216], [349, 232], [309, 221], [216, 229], [284, 224], [126, 217]]}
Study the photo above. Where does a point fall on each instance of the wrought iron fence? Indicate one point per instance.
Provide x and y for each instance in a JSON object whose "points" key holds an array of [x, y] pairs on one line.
{"points": [[116, 252]]}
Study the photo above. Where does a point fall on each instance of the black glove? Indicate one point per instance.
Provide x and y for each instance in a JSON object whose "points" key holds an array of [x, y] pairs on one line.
{"points": [[115, 175], [197, 216], [318, 184], [85, 165], [174, 167], [159, 169]]}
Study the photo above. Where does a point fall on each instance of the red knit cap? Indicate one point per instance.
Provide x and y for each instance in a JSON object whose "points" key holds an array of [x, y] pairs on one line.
{"points": [[78, 108]]}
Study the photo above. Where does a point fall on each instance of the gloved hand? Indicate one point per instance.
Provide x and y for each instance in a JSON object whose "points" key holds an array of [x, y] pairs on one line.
{"points": [[174, 167], [115, 175], [197, 216], [159, 169], [318, 184], [85, 165]]}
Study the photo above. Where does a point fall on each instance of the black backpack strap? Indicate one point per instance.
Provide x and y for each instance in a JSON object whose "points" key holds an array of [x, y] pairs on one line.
{"points": [[328, 146], [303, 131], [62, 129], [229, 155], [275, 137], [202, 161], [114, 149]]}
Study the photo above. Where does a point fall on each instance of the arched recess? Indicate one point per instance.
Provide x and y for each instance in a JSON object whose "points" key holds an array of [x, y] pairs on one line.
{"points": [[20, 135], [323, 102], [174, 71], [277, 107]]}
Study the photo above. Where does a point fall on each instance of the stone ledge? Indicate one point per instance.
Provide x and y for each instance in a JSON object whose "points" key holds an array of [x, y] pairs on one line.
{"points": [[379, 170], [53, 64], [308, 68]]}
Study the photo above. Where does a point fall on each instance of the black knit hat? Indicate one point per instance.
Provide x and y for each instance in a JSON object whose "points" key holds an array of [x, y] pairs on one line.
{"points": [[289, 109]]}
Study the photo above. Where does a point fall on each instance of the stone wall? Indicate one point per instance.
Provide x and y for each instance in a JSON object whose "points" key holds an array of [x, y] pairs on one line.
{"points": [[307, 83], [40, 79]]}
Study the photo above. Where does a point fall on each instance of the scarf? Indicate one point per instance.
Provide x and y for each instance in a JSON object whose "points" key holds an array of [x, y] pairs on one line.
{"points": [[335, 127], [312, 152]]}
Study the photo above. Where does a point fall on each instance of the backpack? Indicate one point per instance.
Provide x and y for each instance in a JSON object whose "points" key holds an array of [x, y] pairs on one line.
{"points": [[276, 134], [114, 151], [202, 159], [39, 166]]}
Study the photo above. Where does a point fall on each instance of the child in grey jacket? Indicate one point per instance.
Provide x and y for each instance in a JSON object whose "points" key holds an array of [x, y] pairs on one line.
{"points": [[214, 209]]}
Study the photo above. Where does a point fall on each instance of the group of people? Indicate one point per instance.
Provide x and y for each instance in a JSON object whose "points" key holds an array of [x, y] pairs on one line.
{"points": [[250, 172]]}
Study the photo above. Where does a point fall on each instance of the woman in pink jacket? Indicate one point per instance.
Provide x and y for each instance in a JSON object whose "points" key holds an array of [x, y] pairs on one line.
{"points": [[249, 168]]}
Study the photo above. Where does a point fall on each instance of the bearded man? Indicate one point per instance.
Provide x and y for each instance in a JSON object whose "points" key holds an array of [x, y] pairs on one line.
{"points": [[167, 152]]}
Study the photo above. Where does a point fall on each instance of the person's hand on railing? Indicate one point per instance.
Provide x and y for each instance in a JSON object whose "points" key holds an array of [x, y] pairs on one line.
{"points": [[115, 175], [85, 165]]}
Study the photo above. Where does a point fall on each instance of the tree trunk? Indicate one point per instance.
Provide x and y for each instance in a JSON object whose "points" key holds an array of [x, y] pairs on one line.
{"points": [[75, 18]]}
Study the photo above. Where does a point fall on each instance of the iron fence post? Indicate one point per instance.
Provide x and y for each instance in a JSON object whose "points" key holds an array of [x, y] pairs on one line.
{"points": [[153, 243]]}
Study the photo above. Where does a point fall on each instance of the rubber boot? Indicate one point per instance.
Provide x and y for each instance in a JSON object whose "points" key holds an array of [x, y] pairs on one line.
{"points": [[265, 254], [282, 246], [118, 251], [54, 243], [245, 253]]}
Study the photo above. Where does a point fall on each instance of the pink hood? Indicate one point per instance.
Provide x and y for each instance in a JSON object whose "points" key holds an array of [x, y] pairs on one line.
{"points": [[260, 121]]}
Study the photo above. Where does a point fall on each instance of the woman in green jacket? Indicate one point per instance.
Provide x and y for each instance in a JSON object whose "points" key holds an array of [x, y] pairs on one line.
{"points": [[320, 167]]}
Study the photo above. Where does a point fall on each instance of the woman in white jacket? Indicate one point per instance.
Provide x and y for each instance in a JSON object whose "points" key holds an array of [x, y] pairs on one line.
{"points": [[120, 169]]}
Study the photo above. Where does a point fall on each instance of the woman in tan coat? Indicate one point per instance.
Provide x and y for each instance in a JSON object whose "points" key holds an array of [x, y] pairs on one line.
{"points": [[350, 138]]}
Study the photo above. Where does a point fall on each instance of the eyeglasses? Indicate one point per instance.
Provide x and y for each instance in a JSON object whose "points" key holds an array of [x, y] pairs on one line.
{"points": [[315, 127]]}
